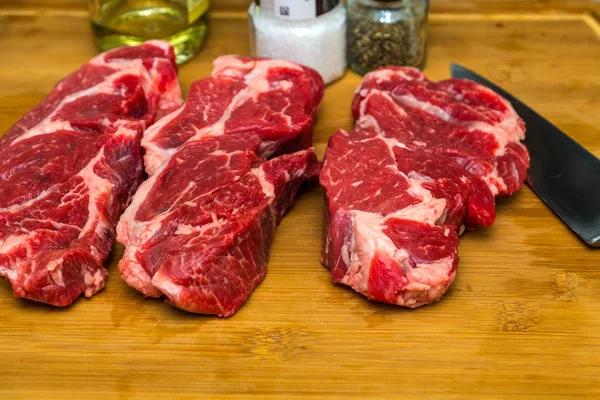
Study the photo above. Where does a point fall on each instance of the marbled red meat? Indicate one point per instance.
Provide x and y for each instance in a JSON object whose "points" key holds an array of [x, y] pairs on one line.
{"points": [[69, 167], [424, 161], [199, 229]]}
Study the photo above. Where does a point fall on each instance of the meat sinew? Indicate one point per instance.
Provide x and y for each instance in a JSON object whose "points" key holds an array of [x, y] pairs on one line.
{"points": [[69, 167], [199, 229], [424, 161]]}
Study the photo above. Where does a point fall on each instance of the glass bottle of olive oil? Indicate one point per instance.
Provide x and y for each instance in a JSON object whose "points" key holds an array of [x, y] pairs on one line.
{"points": [[130, 22]]}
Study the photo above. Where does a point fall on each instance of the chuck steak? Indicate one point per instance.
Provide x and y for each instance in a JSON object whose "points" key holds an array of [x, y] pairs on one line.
{"points": [[199, 229], [69, 167], [423, 162]]}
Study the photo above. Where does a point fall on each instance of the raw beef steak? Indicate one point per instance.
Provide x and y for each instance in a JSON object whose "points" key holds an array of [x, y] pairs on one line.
{"points": [[199, 229], [69, 167], [424, 161]]}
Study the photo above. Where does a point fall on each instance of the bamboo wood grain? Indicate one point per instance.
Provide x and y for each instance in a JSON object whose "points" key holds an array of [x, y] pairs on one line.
{"points": [[522, 320]]}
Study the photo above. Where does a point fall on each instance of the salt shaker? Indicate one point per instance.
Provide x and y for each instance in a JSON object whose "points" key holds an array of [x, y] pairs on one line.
{"points": [[386, 32], [309, 32]]}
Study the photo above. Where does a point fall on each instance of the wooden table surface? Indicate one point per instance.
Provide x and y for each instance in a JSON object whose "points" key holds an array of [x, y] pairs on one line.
{"points": [[522, 319]]}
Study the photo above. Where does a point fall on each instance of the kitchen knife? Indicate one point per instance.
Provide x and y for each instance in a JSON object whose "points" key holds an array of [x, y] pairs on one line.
{"points": [[562, 173]]}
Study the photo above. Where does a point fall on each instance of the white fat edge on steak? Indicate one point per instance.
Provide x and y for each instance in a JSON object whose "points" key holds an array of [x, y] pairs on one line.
{"points": [[256, 83], [164, 283], [435, 275]]}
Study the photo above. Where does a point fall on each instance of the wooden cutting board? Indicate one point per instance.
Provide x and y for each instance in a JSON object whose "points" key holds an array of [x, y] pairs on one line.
{"points": [[522, 319]]}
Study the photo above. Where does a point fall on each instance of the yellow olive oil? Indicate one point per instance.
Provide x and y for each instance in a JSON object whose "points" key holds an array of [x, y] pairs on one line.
{"points": [[130, 22]]}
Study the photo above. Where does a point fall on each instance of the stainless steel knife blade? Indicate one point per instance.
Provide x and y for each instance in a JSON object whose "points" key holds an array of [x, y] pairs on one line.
{"points": [[562, 173]]}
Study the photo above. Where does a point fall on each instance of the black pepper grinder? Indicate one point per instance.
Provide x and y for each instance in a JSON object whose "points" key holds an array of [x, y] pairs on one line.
{"points": [[386, 32]]}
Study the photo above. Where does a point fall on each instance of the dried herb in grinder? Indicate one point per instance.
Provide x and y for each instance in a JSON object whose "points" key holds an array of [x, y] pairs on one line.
{"points": [[381, 33]]}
